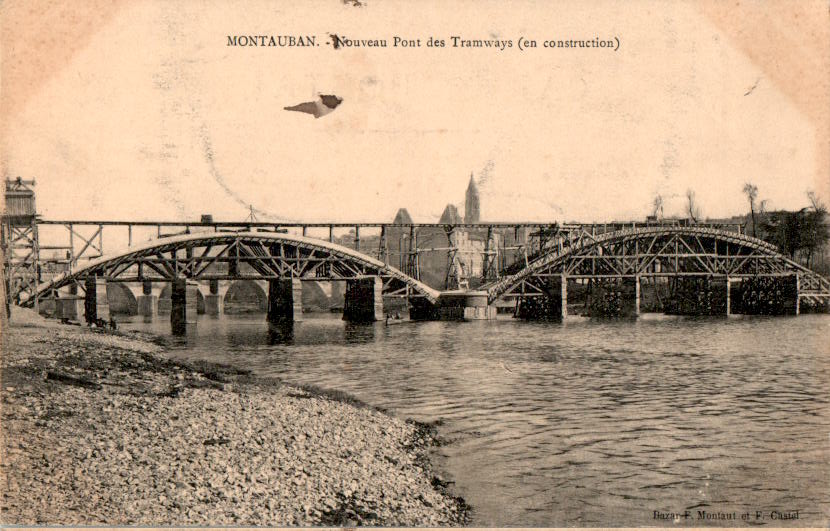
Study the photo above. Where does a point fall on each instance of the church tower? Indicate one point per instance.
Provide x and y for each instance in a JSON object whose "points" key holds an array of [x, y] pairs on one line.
{"points": [[472, 204]]}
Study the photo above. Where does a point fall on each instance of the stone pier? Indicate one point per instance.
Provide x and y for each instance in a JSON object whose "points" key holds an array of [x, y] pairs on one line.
{"points": [[421, 309], [70, 307], [95, 301], [214, 301], [459, 306], [363, 300], [183, 300], [214, 304], [285, 300], [48, 306], [148, 304], [476, 307]]}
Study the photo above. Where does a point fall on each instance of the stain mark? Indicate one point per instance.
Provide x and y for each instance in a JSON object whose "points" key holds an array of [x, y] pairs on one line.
{"points": [[207, 151], [325, 104], [335, 40], [670, 157], [485, 173], [355, 3], [64, 31], [748, 92]]}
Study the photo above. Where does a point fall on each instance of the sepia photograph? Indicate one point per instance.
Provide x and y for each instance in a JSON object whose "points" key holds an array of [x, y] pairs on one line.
{"points": [[380, 263]]}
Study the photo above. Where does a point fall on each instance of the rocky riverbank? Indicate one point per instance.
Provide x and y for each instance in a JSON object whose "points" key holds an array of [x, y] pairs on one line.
{"points": [[101, 429]]}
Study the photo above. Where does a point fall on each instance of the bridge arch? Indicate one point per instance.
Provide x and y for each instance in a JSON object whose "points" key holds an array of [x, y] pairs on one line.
{"points": [[243, 256], [658, 251], [166, 292], [245, 295], [121, 300]]}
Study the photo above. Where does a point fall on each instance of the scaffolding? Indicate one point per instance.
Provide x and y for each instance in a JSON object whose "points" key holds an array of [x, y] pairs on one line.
{"points": [[19, 241]]}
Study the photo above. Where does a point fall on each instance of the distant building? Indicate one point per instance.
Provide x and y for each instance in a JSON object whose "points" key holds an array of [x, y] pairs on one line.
{"points": [[402, 217], [472, 203], [450, 216], [451, 257]]}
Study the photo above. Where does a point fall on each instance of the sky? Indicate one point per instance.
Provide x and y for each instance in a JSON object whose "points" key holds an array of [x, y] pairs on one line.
{"points": [[140, 110]]}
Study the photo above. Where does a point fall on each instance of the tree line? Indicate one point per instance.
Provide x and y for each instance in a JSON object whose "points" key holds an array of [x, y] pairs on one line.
{"points": [[802, 235]]}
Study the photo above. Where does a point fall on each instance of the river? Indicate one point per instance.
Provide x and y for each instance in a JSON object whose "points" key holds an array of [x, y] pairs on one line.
{"points": [[584, 423]]}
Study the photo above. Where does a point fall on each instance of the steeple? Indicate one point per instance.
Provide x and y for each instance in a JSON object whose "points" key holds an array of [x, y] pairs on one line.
{"points": [[472, 204]]}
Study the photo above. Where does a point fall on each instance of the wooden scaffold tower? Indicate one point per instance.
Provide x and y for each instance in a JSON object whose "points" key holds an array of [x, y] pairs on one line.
{"points": [[19, 241]]}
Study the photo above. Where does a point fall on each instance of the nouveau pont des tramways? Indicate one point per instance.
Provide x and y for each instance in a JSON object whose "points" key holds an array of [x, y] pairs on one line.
{"points": [[396, 41], [457, 41]]}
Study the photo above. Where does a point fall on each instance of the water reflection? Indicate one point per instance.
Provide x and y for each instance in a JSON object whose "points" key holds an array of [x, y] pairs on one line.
{"points": [[281, 334], [583, 423], [359, 333]]}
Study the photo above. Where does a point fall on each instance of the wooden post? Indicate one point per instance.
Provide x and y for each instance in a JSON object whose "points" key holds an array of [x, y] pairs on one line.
{"points": [[401, 259], [36, 256], [410, 256], [728, 296], [416, 274], [71, 247], [797, 294], [488, 259], [385, 245], [564, 296], [637, 295]]}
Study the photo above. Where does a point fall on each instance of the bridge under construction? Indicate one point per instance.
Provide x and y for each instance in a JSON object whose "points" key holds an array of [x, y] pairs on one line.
{"points": [[445, 270]]}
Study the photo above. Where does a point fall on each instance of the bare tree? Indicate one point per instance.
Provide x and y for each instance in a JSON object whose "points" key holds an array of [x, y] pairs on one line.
{"points": [[658, 206], [815, 202], [692, 208], [751, 192], [815, 235]]}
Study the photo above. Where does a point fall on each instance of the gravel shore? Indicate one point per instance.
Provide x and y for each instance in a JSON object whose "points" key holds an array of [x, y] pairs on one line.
{"points": [[101, 429]]}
